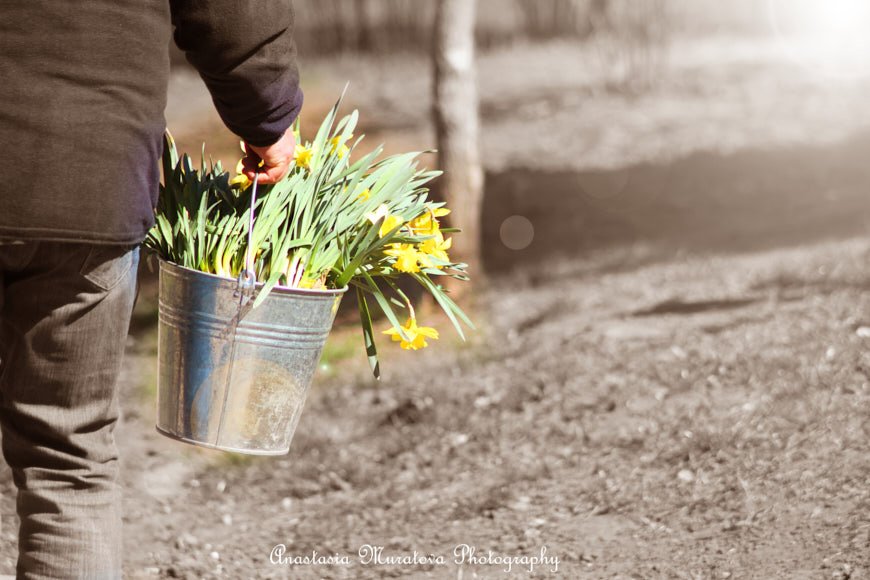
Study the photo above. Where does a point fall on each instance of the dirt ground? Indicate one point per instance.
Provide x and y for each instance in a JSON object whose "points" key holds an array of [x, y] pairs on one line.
{"points": [[672, 381]]}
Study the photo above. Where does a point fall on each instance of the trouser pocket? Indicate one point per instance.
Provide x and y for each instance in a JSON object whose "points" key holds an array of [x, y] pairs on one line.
{"points": [[106, 266]]}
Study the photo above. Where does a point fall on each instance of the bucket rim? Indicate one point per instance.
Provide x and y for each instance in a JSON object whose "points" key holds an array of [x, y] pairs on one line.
{"points": [[279, 289]]}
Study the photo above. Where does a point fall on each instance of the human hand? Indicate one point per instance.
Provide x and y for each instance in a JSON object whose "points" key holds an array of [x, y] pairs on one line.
{"points": [[276, 159]]}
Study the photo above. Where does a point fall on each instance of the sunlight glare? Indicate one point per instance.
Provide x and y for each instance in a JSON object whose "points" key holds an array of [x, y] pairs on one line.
{"points": [[831, 37]]}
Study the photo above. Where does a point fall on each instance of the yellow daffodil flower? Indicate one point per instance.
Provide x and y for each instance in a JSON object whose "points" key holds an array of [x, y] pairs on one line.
{"points": [[240, 180], [426, 223], [334, 147], [389, 225], [390, 220], [304, 156], [436, 247], [407, 257], [364, 195], [416, 334]]}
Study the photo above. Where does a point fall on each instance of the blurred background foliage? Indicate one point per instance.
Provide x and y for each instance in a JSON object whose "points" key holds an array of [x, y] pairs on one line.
{"points": [[327, 27], [388, 25]]}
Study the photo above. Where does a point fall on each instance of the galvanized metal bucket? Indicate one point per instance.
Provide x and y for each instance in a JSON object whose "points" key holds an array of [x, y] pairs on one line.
{"points": [[232, 377]]}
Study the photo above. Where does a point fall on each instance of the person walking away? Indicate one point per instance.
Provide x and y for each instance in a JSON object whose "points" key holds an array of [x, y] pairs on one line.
{"points": [[82, 93]]}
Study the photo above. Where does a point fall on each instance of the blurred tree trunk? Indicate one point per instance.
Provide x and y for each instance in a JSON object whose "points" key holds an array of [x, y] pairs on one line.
{"points": [[365, 25], [599, 15], [457, 126]]}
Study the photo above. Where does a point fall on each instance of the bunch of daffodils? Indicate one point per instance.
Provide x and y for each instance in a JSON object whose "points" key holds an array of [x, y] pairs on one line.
{"points": [[330, 223]]}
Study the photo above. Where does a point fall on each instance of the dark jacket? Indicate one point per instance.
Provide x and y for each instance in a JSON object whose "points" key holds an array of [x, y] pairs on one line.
{"points": [[82, 93]]}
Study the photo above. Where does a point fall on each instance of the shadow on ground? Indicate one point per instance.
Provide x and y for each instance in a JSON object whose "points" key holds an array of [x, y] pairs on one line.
{"points": [[705, 202]]}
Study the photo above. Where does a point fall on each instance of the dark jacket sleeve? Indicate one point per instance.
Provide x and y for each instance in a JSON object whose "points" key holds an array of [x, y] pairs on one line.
{"points": [[245, 53]]}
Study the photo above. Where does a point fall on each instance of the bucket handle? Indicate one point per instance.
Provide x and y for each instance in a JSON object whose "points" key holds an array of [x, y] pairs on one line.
{"points": [[245, 291], [248, 277]]}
